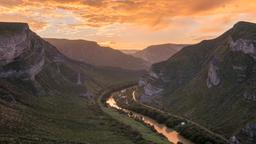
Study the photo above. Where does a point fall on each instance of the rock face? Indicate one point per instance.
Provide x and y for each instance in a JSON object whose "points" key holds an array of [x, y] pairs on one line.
{"points": [[28, 73], [248, 134], [24, 55], [32, 67], [14, 46], [234, 140], [245, 46], [79, 82], [250, 95], [214, 79], [151, 92], [13, 42], [213, 74]]}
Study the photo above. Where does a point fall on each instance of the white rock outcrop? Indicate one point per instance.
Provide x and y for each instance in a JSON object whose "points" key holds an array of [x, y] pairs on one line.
{"points": [[29, 73], [153, 75], [79, 81], [18, 45], [150, 90], [142, 82], [245, 46], [247, 134], [213, 78], [250, 95], [36, 68], [13, 45], [234, 140]]}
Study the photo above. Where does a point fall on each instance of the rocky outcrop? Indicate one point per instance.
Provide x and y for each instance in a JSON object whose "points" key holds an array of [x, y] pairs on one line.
{"points": [[142, 82], [15, 49], [245, 46], [213, 78], [250, 95], [28, 73], [234, 140], [247, 135], [26, 57], [250, 131], [153, 75], [79, 82], [150, 91], [13, 44]]}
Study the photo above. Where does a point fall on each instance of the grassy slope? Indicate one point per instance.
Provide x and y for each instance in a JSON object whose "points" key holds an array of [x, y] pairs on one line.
{"points": [[61, 114], [222, 108], [50, 109], [65, 118]]}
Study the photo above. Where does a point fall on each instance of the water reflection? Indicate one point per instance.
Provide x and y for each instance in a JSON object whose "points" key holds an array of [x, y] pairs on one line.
{"points": [[170, 134]]}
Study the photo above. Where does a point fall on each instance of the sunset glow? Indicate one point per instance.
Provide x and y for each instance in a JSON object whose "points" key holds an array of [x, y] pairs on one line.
{"points": [[129, 24]]}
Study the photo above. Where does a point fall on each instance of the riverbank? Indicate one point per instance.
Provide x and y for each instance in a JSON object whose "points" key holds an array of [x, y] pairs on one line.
{"points": [[144, 134], [171, 135], [186, 128]]}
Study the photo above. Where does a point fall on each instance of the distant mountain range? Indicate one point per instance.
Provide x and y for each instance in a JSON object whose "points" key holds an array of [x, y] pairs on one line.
{"points": [[212, 83], [158, 53], [92, 53]]}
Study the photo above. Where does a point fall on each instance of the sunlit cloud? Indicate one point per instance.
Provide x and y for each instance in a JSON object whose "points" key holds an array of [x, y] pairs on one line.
{"points": [[153, 21]]}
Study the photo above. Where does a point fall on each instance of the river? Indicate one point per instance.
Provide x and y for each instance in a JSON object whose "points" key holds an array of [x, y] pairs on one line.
{"points": [[168, 133]]}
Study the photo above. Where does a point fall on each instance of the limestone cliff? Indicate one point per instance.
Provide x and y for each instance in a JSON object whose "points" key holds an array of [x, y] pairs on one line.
{"points": [[24, 55], [244, 45], [151, 92], [213, 78], [212, 83]]}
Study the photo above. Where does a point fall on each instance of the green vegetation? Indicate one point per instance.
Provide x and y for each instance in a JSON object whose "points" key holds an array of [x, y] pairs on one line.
{"points": [[62, 115], [223, 108], [146, 133], [189, 130], [53, 108], [62, 118]]}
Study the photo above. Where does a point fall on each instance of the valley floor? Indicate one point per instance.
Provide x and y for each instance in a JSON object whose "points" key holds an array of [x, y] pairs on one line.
{"points": [[147, 134]]}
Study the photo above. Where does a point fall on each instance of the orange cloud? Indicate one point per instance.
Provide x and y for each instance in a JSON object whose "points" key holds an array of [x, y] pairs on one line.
{"points": [[152, 13], [203, 17]]}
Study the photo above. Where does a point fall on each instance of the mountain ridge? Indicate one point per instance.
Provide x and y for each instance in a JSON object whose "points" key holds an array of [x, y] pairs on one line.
{"points": [[158, 53], [211, 83], [91, 52], [46, 97]]}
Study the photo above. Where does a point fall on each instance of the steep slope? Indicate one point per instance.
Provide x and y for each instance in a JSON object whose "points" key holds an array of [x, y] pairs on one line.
{"points": [[211, 83], [158, 53], [90, 52], [47, 98]]}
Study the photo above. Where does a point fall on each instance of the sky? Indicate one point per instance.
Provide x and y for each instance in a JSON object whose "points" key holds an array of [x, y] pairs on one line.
{"points": [[129, 24]]}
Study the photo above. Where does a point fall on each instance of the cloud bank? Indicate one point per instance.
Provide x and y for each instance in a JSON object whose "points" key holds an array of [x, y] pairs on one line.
{"points": [[91, 17]]}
